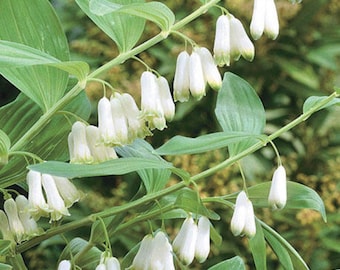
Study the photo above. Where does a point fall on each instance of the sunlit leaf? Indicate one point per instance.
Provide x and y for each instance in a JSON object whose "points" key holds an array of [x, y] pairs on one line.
{"points": [[16, 55], [19, 116], [36, 26], [257, 246], [298, 197], [116, 25], [185, 145], [156, 12], [235, 263], [239, 109], [314, 101]]}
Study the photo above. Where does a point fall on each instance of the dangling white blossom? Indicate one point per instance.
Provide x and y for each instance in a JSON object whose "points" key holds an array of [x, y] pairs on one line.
{"points": [[168, 104], [154, 253], [107, 262], [202, 246], [278, 191], [185, 242], [136, 125], [99, 151], [243, 219], [210, 71], [77, 144], [14, 221], [197, 80], [67, 190], [55, 202], [181, 83], [30, 226], [36, 200], [64, 265], [240, 44], [222, 41], [152, 110], [264, 19], [119, 122], [105, 122]]}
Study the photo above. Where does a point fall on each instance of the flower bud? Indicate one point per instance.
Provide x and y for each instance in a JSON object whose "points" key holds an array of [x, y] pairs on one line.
{"points": [[14, 222], [168, 104], [105, 122], [271, 27], [182, 80], [29, 224], [64, 265], [278, 191], [112, 263], [197, 81], [222, 41], [119, 121], [185, 241], [141, 260], [202, 247], [161, 257], [211, 74]]}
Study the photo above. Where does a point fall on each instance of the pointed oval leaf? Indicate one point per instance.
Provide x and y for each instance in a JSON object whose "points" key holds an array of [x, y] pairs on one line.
{"points": [[235, 263], [17, 55], [184, 145], [315, 101], [156, 12], [36, 26], [239, 109], [118, 166], [257, 246], [124, 29], [298, 197]]}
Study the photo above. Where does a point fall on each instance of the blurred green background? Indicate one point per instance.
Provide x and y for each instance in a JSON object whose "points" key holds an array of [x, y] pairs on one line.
{"points": [[303, 61]]}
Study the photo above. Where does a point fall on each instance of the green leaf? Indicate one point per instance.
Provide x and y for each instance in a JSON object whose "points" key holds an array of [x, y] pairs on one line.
{"points": [[36, 26], [5, 247], [239, 109], [280, 244], [298, 197], [89, 260], [314, 101], [189, 200], [118, 166], [280, 251], [325, 55], [5, 266], [5, 144], [184, 145], [257, 246], [235, 263], [156, 12], [124, 29], [50, 142], [154, 179], [16, 55]]}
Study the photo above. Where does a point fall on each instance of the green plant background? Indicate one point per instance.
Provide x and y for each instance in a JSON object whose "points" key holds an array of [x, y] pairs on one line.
{"points": [[303, 61]]}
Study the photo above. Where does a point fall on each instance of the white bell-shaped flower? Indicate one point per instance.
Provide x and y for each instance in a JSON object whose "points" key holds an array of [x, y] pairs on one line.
{"points": [[278, 191], [152, 110], [264, 19], [142, 258], [197, 80], [210, 71], [112, 263], [243, 219], [136, 125], [222, 41], [240, 44], [77, 143], [36, 200], [54, 200], [185, 242], [161, 256], [4, 227], [119, 122], [67, 190], [99, 151], [64, 265], [30, 226], [105, 122], [202, 247], [101, 266], [181, 83], [14, 221], [168, 104]]}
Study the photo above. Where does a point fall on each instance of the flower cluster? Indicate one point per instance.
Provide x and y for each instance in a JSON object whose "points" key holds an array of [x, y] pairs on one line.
{"points": [[107, 262], [60, 194], [192, 241], [192, 74], [16, 222]]}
